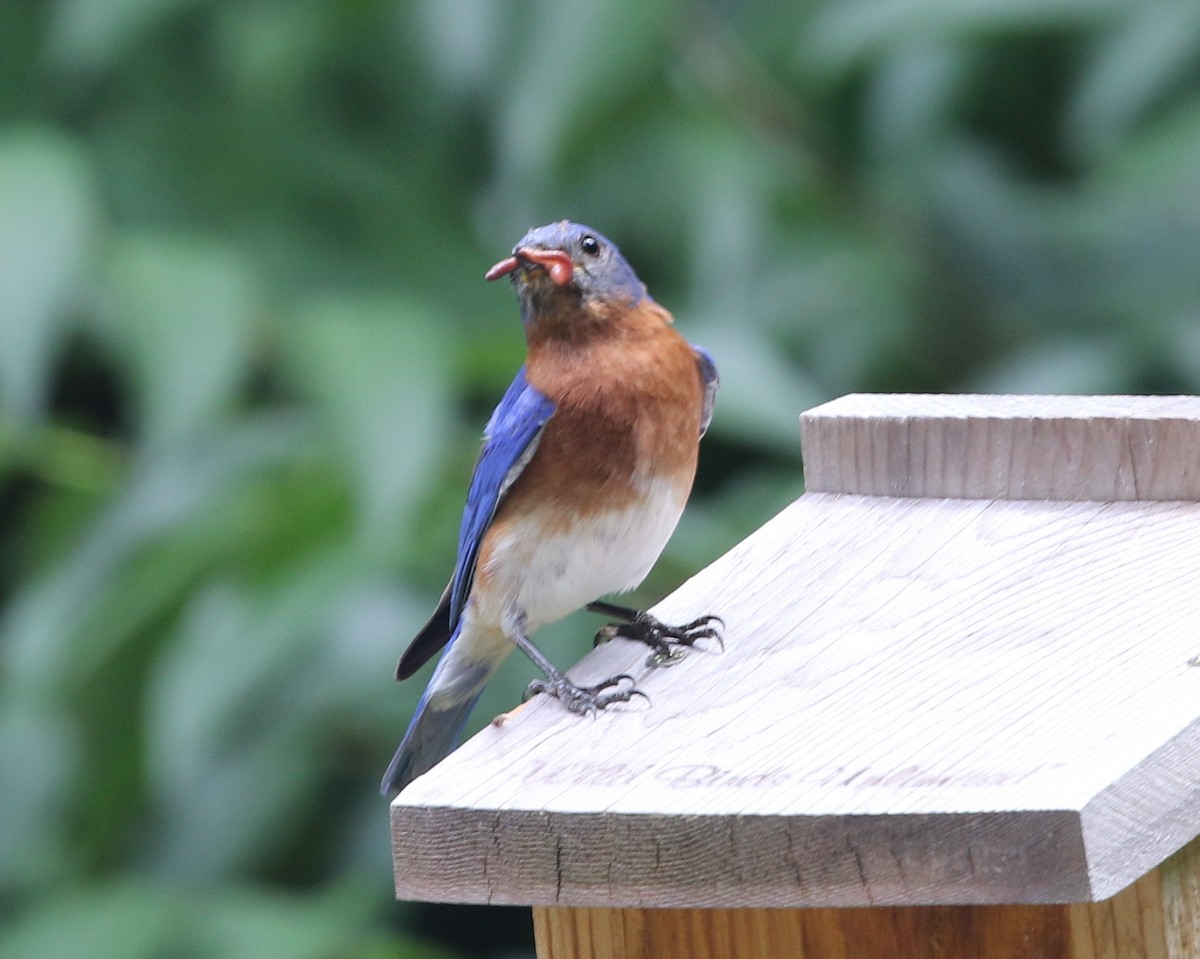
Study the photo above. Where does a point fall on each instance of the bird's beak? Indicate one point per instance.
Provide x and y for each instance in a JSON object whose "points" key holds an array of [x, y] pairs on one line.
{"points": [[557, 263]]}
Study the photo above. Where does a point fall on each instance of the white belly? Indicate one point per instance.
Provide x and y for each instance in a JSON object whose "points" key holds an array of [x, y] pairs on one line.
{"points": [[547, 577]]}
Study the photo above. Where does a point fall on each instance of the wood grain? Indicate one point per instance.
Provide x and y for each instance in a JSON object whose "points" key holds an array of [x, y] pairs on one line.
{"points": [[1180, 902], [1152, 919], [1012, 447], [921, 701], [932, 932]]}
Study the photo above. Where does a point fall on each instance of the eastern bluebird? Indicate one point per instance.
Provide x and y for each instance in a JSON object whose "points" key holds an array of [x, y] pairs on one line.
{"points": [[585, 468]]}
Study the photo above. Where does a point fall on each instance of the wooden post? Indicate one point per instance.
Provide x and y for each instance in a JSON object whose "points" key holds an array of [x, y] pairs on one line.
{"points": [[956, 715]]}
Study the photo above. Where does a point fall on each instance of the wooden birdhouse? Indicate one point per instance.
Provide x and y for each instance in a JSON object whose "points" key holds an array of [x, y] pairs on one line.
{"points": [[957, 715]]}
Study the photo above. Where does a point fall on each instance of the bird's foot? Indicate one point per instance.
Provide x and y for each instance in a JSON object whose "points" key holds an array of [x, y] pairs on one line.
{"points": [[586, 699], [669, 643]]}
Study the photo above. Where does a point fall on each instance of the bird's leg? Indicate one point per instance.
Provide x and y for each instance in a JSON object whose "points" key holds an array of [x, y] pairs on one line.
{"points": [[669, 643], [577, 699]]}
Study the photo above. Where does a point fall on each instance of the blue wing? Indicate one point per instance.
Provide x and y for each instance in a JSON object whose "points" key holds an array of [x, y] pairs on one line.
{"points": [[708, 373], [508, 442]]}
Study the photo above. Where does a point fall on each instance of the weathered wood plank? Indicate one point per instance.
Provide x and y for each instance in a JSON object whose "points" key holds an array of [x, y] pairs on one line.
{"points": [[1005, 447]]}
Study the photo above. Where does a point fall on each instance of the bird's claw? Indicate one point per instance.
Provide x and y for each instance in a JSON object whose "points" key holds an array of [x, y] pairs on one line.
{"points": [[586, 699], [669, 643]]}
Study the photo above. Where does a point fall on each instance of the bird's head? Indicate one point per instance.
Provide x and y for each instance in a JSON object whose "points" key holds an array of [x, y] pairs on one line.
{"points": [[566, 266]]}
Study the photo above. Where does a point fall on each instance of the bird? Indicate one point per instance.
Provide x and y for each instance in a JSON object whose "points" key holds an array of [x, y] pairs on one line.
{"points": [[585, 467]]}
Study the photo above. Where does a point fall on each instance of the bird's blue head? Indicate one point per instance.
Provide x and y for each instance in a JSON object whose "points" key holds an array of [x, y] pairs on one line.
{"points": [[568, 265]]}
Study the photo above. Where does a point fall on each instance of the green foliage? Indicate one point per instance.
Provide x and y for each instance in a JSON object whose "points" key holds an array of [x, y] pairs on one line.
{"points": [[246, 352]]}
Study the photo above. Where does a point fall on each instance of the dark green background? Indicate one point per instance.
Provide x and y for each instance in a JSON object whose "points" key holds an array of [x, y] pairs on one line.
{"points": [[246, 352]]}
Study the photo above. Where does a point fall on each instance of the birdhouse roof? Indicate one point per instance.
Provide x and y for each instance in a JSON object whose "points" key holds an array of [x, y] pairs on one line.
{"points": [[957, 669]]}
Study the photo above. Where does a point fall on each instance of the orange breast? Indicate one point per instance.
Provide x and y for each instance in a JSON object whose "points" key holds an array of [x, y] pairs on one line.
{"points": [[628, 409]]}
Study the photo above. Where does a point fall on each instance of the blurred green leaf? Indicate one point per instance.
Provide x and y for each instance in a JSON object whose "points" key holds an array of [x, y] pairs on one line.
{"points": [[48, 227], [379, 369], [548, 94], [217, 742], [122, 921], [910, 99], [1153, 171], [181, 318], [1151, 53], [1079, 366], [140, 920], [847, 34], [42, 624], [1183, 345], [269, 46], [92, 34], [460, 41], [37, 755], [251, 924]]}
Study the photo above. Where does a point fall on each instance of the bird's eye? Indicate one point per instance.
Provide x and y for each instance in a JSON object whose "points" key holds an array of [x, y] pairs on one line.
{"points": [[590, 245]]}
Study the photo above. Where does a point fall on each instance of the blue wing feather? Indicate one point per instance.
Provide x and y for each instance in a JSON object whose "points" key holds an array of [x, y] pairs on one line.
{"points": [[708, 373], [508, 443]]}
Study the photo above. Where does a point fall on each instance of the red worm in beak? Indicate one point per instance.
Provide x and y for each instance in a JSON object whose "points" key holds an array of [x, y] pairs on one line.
{"points": [[503, 268], [557, 263]]}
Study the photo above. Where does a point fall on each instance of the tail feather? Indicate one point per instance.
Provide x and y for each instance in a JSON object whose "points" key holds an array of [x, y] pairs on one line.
{"points": [[432, 637], [469, 660], [432, 735]]}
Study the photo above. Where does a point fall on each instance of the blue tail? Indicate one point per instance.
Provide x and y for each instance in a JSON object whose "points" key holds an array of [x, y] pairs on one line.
{"points": [[432, 735]]}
